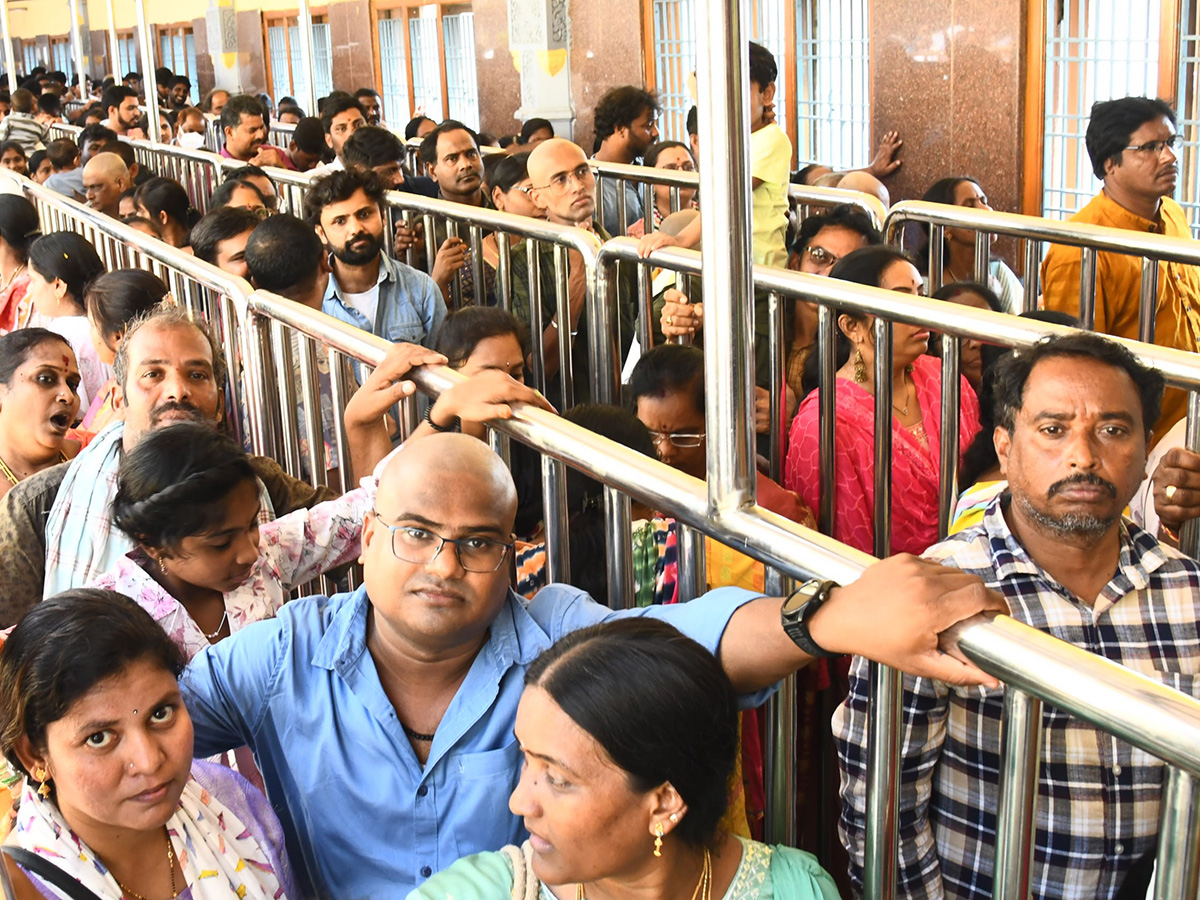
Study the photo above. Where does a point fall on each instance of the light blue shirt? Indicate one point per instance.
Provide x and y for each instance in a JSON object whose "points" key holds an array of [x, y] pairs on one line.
{"points": [[411, 308], [361, 817]]}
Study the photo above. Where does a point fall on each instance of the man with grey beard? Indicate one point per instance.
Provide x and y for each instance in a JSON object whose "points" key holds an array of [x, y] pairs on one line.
{"points": [[1073, 421]]}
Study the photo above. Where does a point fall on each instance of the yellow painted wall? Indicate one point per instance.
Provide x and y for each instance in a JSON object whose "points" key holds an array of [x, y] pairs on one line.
{"points": [[52, 17]]}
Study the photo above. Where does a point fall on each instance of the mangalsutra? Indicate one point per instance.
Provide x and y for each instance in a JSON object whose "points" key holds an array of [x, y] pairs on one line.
{"points": [[126, 892], [703, 889]]}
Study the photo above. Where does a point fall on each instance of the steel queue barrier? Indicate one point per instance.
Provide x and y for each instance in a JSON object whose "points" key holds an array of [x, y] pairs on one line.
{"points": [[1037, 667], [197, 170], [1033, 231]]}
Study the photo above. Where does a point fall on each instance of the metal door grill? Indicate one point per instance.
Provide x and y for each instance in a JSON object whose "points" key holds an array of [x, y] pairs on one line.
{"points": [[393, 68], [281, 76], [426, 73], [674, 43], [769, 30], [283, 47], [833, 110], [462, 85], [1188, 111], [127, 55], [1095, 50]]}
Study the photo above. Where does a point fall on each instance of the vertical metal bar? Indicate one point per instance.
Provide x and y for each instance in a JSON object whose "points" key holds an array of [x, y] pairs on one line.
{"points": [[310, 386], [146, 44], [983, 256], [456, 286], [1087, 287], [948, 481], [500, 445], [537, 324], [430, 241], [622, 212], [648, 206], [1148, 300], [480, 298], [827, 359], [338, 395], [1178, 863], [721, 51], [308, 75], [554, 511], [1033, 256], [937, 247], [1020, 758], [618, 529], [779, 761], [1189, 532], [776, 427], [600, 302], [645, 320], [10, 62], [504, 272], [77, 49], [566, 337], [601, 207], [693, 575], [883, 747], [285, 382]]}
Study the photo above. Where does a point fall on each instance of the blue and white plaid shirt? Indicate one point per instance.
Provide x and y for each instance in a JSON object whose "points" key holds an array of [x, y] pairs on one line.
{"points": [[1098, 798]]}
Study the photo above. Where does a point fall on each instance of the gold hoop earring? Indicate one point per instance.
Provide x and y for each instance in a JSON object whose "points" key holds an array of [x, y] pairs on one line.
{"points": [[860, 368], [42, 777], [658, 836]]}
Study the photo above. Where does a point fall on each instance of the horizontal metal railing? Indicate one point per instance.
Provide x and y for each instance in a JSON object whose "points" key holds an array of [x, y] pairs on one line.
{"points": [[1033, 232], [1158, 720], [197, 170]]}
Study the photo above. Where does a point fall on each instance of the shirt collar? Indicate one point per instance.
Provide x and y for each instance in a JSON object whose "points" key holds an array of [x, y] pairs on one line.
{"points": [[1123, 218], [1140, 555], [388, 269]]}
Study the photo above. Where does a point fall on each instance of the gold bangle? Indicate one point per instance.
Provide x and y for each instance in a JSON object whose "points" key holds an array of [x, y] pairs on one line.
{"points": [[1168, 532]]}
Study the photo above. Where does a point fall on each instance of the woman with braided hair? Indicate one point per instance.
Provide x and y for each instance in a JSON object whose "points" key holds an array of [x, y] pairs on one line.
{"points": [[203, 566]]}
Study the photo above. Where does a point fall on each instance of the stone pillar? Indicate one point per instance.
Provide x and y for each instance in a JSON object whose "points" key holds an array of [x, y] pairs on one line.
{"points": [[222, 45], [539, 38]]}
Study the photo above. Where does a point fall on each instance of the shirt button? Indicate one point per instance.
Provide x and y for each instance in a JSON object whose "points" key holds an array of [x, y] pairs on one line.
{"points": [[426, 871], [423, 790], [1117, 769], [1119, 849]]}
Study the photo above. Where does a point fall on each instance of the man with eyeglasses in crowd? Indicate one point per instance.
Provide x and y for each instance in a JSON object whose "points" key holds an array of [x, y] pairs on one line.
{"points": [[563, 185], [1134, 148]]}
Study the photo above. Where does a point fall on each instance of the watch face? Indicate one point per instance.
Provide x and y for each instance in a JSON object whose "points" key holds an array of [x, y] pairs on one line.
{"points": [[800, 596]]}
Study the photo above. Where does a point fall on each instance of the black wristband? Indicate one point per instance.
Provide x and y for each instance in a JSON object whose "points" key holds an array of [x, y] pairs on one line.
{"points": [[453, 427]]}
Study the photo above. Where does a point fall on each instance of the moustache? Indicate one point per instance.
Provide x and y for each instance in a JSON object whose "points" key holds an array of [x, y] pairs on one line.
{"points": [[159, 411], [1096, 480]]}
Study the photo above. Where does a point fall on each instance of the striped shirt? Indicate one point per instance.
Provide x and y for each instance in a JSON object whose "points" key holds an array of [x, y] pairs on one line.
{"points": [[25, 130], [1098, 797]]}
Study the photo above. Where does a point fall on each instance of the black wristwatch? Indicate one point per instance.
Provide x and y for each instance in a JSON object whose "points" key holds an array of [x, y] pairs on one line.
{"points": [[798, 609], [454, 426]]}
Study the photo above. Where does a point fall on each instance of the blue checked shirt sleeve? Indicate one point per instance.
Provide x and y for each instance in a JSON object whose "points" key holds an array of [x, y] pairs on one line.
{"points": [[926, 707]]}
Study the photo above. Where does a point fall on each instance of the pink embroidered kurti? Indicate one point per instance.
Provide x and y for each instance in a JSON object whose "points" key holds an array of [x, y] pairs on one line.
{"points": [[915, 466], [293, 550]]}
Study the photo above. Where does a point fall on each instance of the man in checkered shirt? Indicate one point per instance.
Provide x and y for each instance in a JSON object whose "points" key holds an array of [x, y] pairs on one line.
{"points": [[1073, 421]]}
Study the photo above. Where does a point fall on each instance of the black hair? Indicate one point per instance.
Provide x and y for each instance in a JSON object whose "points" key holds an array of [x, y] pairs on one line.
{"points": [[19, 223], [841, 216], [159, 195], [532, 127], [462, 331], [669, 367], [5, 146], [335, 107], [509, 171], [155, 227], [693, 121], [115, 96], [62, 649], [309, 137], [941, 191], [220, 225], [1113, 122], [163, 76], [223, 195], [651, 157], [123, 149], [427, 154], [367, 92], [50, 104], [36, 160], [283, 254], [952, 290], [371, 146], [980, 457], [658, 703], [505, 141], [1013, 370], [67, 256], [16, 346], [619, 107], [237, 106], [173, 484], [414, 125], [763, 68], [336, 187], [114, 299], [293, 109], [181, 79], [865, 265], [97, 131]]}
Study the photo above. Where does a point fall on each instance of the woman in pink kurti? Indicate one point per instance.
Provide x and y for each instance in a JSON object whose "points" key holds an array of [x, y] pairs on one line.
{"points": [[204, 566], [916, 420]]}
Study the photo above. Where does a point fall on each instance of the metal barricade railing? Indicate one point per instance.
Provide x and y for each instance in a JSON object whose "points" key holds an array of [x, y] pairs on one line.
{"points": [[197, 170], [72, 106], [214, 134], [280, 134], [1037, 667], [63, 130], [1033, 232]]}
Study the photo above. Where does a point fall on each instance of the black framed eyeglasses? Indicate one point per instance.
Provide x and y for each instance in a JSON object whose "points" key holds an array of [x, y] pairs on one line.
{"points": [[411, 543], [1155, 148]]}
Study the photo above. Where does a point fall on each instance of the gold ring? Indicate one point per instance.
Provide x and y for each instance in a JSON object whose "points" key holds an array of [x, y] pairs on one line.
{"points": [[667, 320], [1170, 491]]}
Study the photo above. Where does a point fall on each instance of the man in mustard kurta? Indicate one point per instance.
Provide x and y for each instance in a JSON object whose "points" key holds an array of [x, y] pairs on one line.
{"points": [[1132, 144]]}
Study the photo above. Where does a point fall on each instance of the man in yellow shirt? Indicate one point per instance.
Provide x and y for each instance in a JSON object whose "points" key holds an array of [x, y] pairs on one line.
{"points": [[1132, 144]]}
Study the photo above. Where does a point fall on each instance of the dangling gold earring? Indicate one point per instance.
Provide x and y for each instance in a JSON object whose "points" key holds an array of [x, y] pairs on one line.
{"points": [[43, 778], [658, 836], [860, 368], [162, 565]]}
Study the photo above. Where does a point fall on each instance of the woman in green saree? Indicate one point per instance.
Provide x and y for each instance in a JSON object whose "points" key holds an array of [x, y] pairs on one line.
{"points": [[629, 732]]}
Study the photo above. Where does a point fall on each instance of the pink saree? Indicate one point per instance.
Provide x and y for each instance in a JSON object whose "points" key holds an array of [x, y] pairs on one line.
{"points": [[915, 467]]}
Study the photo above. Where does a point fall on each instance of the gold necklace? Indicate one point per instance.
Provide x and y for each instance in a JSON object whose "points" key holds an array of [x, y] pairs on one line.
{"points": [[703, 889], [13, 277], [12, 476], [126, 892], [903, 410]]}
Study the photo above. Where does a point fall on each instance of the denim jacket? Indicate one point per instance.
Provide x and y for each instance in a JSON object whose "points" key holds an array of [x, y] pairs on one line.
{"points": [[410, 307]]}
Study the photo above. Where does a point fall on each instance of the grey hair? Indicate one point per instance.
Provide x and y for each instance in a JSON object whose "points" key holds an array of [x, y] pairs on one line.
{"points": [[167, 314]]}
